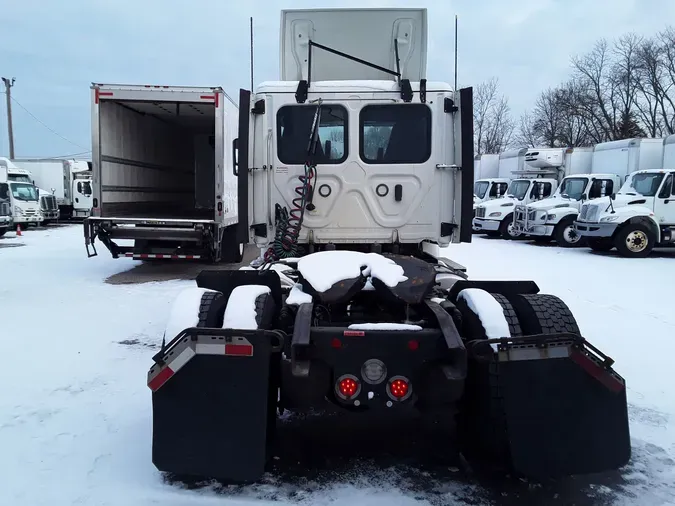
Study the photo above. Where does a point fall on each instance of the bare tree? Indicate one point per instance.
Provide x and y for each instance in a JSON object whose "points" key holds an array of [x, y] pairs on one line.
{"points": [[526, 134], [667, 43], [493, 125]]}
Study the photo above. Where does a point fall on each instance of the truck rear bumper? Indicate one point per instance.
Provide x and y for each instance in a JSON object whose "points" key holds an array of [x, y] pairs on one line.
{"points": [[588, 229]]}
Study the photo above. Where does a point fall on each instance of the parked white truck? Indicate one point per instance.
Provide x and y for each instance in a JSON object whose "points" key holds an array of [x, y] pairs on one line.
{"points": [[553, 218], [495, 217], [68, 180], [488, 184], [161, 176], [17, 188], [641, 216]]}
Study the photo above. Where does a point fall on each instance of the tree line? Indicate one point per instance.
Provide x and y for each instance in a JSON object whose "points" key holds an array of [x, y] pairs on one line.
{"points": [[620, 89]]}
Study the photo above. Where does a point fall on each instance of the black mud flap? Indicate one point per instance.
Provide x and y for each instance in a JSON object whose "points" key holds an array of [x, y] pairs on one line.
{"points": [[564, 407], [213, 392]]}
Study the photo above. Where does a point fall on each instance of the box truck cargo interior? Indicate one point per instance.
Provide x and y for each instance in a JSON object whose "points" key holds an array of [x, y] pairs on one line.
{"points": [[157, 159]]}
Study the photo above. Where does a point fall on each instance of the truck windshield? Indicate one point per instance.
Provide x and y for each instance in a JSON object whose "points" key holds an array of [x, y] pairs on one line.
{"points": [[573, 187], [24, 191], [518, 189], [645, 184], [479, 188]]}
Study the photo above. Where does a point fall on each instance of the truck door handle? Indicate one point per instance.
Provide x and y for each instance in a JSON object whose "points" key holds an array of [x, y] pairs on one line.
{"points": [[667, 200], [235, 148]]}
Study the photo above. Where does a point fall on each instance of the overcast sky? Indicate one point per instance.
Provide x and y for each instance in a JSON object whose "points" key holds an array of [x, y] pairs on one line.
{"points": [[55, 49]]}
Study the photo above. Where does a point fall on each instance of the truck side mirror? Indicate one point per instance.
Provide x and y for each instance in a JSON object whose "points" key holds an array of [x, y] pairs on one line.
{"points": [[613, 196], [584, 197]]}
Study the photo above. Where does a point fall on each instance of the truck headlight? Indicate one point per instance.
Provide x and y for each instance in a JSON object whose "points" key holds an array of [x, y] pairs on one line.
{"points": [[549, 217], [609, 218], [494, 215]]}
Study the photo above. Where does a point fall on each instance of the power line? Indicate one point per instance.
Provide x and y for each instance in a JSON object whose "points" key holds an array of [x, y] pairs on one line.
{"points": [[46, 126], [70, 155]]}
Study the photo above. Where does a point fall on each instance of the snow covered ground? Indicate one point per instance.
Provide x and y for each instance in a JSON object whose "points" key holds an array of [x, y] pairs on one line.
{"points": [[75, 417]]}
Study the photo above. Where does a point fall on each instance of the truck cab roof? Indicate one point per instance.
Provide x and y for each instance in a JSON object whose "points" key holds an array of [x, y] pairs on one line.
{"points": [[357, 86]]}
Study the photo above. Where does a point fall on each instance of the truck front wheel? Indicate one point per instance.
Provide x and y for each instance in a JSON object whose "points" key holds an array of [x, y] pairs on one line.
{"points": [[506, 229], [600, 244], [565, 235], [635, 240]]}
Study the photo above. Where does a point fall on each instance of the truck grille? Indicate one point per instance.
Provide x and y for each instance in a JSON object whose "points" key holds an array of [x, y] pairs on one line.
{"points": [[480, 212], [48, 203], [589, 212], [584, 212], [532, 215], [4, 209]]}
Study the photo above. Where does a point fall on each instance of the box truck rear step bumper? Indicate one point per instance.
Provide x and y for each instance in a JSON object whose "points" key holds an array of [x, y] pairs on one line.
{"points": [[213, 403], [550, 404], [156, 233]]}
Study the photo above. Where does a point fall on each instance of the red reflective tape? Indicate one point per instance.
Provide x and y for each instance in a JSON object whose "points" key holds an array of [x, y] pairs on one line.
{"points": [[240, 350], [354, 333], [207, 97], [143, 256], [216, 99], [598, 372], [159, 380]]}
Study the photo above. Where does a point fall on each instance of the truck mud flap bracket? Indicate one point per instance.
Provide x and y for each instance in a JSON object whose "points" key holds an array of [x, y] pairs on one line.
{"points": [[211, 403]]}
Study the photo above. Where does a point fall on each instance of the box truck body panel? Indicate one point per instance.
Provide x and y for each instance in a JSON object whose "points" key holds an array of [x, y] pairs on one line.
{"points": [[159, 161]]}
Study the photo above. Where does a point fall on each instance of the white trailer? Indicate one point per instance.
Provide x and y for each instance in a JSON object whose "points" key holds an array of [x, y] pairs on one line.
{"points": [[69, 181], [161, 175], [669, 152], [623, 157]]}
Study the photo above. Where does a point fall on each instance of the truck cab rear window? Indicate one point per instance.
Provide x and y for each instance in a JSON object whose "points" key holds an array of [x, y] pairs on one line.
{"points": [[392, 134], [294, 126]]}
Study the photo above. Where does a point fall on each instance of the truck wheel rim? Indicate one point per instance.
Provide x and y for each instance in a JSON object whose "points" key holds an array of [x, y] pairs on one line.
{"points": [[512, 230], [571, 235], [636, 241]]}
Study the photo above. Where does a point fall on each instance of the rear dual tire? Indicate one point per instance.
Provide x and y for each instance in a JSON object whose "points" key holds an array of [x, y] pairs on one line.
{"points": [[483, 431]]}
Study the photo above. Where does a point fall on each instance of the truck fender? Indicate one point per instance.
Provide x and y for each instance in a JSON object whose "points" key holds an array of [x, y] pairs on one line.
{"points": [[643, 219], [563, 213]]}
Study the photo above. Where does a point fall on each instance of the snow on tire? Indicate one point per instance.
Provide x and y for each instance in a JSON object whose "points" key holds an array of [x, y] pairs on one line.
{"points": [[543, 314], [195, 307], [489, 315], [246, 306]]}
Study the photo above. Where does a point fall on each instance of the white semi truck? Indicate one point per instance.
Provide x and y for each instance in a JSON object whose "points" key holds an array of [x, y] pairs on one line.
{"points": [[17, 188], [163, 173], [553, 218], [68, 180], [353, 172], [641, 216]]}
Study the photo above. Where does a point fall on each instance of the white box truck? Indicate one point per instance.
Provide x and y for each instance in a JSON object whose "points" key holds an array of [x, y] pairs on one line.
{"points": [[487, 183], [164, 173], [669, 152], [68, 180], [17, 188], [527, 184], [623, 157], [553, 218]]}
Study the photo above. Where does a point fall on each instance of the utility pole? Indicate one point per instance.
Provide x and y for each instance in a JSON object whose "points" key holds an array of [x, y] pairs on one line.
{"points": [[10, 131]]}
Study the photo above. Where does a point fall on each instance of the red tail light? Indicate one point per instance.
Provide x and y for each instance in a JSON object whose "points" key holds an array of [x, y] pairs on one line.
{"points": [[347, 387], [399, 388]]}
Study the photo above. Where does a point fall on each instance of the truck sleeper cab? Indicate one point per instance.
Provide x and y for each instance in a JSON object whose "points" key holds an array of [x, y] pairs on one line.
{"points": [[384, 165]]}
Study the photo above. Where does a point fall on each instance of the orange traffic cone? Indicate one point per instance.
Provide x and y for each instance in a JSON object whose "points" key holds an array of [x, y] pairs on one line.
{"points": [[18, 230]]}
